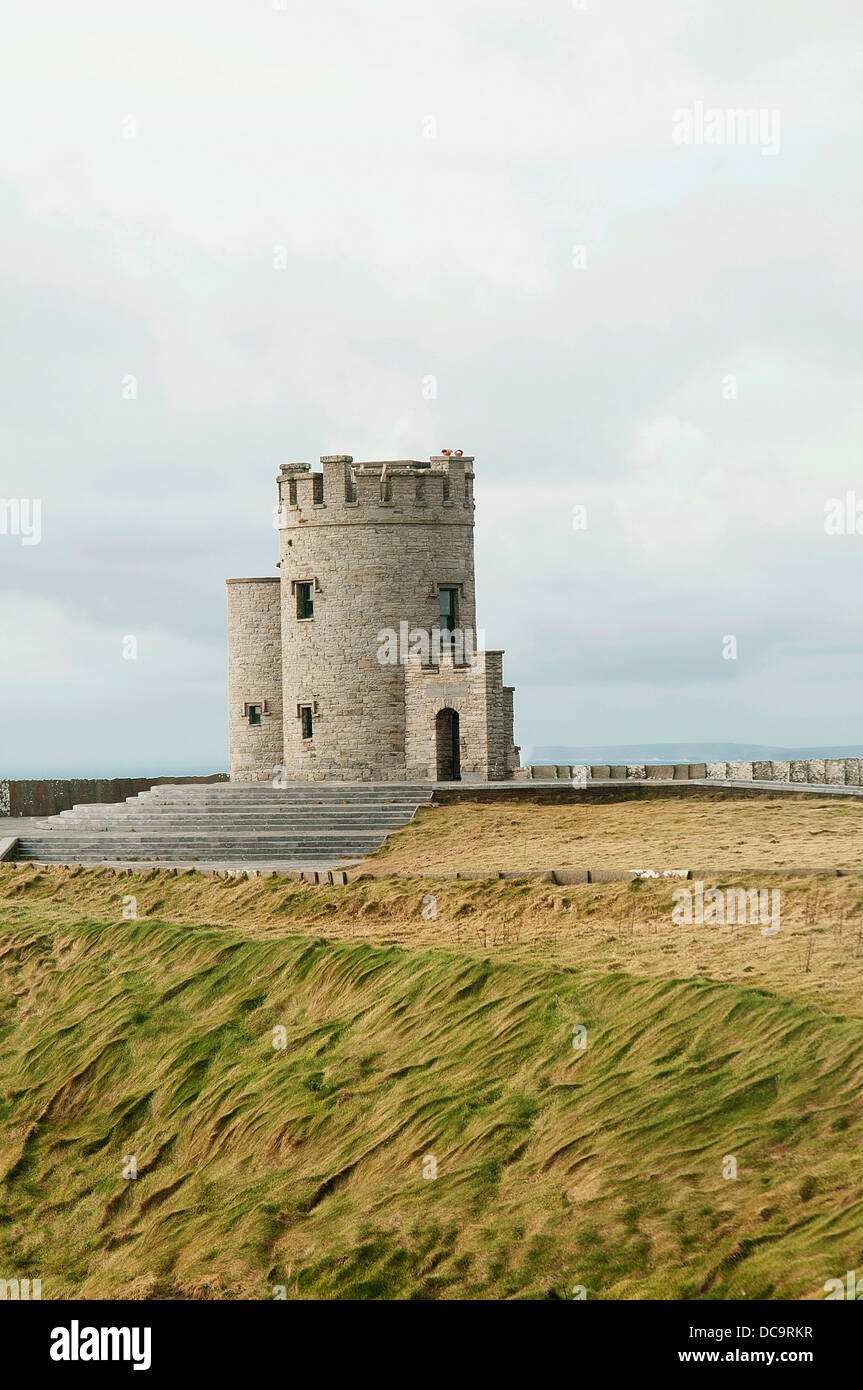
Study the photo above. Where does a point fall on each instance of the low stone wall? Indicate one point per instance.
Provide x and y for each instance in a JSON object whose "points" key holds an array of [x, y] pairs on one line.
{"points": [[46, 798], [834, 772]]}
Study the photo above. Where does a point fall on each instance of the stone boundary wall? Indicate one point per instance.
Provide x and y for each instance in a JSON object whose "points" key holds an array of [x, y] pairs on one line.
{"points": [[563, 877], [46, 798], [833, 772]]}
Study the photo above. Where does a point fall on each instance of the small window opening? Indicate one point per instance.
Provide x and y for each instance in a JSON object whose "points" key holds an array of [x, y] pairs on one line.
{"points": [[306, 721], [255, 714], [305, 600], [292, 492], [317, 487], [448, 610]]}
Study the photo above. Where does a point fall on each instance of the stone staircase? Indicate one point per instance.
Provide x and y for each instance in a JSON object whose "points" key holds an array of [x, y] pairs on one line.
{"points": [[208, 825]]}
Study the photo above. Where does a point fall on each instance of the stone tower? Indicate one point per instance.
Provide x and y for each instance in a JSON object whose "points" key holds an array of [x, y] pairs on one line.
{"points": [[360, 661]]}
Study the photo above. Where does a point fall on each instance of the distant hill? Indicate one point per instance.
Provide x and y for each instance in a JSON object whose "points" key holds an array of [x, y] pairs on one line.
{"points": [[682, 752]]}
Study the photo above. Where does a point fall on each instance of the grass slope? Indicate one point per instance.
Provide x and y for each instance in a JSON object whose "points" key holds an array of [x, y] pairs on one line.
{"points": [[258, 1167]]}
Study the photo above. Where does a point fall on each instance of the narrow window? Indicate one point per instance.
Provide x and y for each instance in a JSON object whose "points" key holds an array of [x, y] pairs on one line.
{"points": [[306, 720], [305, 601], [317, 487], [447, 610], [292, 492], [255, 713]]}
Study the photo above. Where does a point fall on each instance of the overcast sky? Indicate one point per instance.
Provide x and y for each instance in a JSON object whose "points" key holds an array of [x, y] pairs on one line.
{"points": [[692, 375]]}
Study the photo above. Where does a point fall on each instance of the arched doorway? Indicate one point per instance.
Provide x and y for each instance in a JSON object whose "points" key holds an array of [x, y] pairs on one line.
{"points": [[447, 738]]}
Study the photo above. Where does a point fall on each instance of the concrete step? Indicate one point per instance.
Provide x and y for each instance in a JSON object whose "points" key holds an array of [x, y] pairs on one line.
{"points": [[243, 839], [314, 788], [58, 852], [252, 823], [202, 824], [144, 866], [361, 792], [284, 823], [214, 829], [269, 805], [376, 833], [297, 806], [378, 808], [277, 797], [241, 820]]}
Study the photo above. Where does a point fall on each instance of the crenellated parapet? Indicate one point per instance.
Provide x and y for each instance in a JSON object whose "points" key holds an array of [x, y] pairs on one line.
{"points": [[439, 491]]}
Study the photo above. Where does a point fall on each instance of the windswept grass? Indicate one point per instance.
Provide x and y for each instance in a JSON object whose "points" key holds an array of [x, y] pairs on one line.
{"points": [[303, 1166], [817, 957]]}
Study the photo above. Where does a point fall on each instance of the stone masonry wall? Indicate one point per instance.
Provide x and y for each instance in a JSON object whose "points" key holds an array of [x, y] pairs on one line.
{"points": [[376, 541], [498, 717], [254, 677], [815, 771], [47, 796], [479, 698], [512, 752]]}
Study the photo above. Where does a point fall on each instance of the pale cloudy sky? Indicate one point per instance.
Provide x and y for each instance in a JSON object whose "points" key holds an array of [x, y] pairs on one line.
{"points": [[604, 384]]}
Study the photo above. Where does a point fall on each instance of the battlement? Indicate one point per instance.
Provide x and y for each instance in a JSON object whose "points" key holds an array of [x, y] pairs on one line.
{"points": [[439, 491], [483, 662]]}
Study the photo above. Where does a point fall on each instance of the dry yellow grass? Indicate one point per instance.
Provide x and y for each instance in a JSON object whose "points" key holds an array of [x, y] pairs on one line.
{"points": [[664, 832], [608, 927]]}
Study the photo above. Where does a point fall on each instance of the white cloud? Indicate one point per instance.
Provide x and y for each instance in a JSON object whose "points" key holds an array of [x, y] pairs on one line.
{"points": [[452, 257]]}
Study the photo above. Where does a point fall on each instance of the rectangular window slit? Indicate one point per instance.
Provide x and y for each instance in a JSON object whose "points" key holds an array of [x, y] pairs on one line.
{"points": [[305, 600], [448, 610]]}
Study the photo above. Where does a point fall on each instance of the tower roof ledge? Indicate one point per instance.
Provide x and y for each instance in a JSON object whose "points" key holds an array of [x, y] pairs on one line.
{"points": [[265, 579]]}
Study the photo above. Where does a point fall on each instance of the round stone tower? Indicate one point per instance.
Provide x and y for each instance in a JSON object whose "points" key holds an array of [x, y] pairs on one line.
{"points": [[254, 678], [360, 662], [370, 554]]}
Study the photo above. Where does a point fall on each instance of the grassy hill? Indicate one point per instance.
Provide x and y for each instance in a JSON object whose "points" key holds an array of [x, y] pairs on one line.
{"points": [[303, 1166]]}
